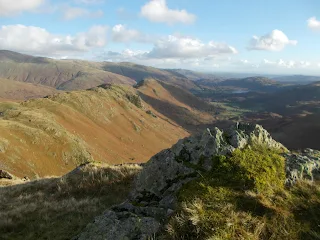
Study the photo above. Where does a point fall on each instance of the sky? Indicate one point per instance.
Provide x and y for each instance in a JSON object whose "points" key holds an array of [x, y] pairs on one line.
{"points": [[256, 36]]}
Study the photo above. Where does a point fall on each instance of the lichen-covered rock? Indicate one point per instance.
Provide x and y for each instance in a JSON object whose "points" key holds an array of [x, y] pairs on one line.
{"points": [[135, 100], [120, 225], [304, 165], [153, 197]]}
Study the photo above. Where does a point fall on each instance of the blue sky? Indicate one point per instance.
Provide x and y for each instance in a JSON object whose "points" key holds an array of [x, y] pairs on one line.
{"points": [[276, 37]]}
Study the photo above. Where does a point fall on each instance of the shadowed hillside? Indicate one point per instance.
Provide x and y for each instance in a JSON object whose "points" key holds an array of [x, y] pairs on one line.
{"points": [[59, 208], [50, 136], [298, 114], [21, 91]]}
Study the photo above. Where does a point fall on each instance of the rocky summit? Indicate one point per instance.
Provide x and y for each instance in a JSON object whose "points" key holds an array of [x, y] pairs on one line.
{"points": [[154, 200]]}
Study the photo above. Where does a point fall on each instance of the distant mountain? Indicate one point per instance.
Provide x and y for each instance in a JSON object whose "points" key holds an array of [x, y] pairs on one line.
{"points": [[50, 136], [298, 79], [196, 76], [59, 74], [9, 56], [140, 73], [15, 90], [246, 84], [250, 83], [288, 101], [77, 74]]}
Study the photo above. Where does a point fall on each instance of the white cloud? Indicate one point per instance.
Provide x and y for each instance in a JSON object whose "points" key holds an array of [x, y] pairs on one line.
{"points": [[158, 11], [212, 64], [274, 41], [313, 23], [286, 64], [186, 47], [280, 66], [121, 33], [70, 13], [126, 55], [141, 57], [12, 7], [175, 52], [35, 40]]}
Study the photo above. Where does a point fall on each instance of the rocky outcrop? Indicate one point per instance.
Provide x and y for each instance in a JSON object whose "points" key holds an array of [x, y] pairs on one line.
{"points": [[303, 165], [6, 175], [153, 198]]}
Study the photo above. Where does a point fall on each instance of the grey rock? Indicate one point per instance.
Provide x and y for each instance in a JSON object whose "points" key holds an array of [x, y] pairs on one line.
{"points": [[304, 165], [122, 226]]}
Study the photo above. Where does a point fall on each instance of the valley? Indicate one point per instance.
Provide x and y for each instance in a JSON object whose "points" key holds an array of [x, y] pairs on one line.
{"points": [[159, 120]]}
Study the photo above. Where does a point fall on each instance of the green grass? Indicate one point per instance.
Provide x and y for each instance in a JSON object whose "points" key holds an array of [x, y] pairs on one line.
{"points": [[229, 110], [244, 197], [59, 208]]}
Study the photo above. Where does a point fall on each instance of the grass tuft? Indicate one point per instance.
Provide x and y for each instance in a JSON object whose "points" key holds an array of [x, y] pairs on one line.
{"points": [[244, 197]]}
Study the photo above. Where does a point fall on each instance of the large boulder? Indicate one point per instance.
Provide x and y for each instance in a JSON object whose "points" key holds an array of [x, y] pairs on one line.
{"points": [[153, 198]]}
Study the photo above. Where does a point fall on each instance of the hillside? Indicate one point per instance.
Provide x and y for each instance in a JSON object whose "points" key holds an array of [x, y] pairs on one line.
{"points": [[288, 101], [297, 132], [248, 84], [15, 90], [78, 74], [177, 104], [59, 74], [140, 73], [50, 136], [298, 79], [196, 76]]}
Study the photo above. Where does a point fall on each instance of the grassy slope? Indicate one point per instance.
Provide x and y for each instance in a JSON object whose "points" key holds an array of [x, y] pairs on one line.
{"points": [[59, 208], [177, 104], [51, 136], [21, 91]]}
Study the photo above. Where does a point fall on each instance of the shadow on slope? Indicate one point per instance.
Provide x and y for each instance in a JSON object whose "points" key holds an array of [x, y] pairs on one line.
{"points": [[59, 208]]}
